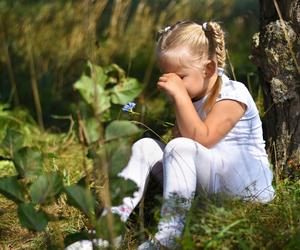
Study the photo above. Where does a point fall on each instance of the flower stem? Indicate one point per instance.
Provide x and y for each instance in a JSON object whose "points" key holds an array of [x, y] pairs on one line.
{"points": [[140, 123]]}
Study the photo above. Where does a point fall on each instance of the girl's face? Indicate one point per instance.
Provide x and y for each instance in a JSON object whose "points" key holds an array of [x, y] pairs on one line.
{"points": [[191, 72]]}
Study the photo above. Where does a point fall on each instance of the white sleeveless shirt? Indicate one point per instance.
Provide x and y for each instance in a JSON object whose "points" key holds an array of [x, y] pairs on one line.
{"points": [[248, 130], [241, 156]]}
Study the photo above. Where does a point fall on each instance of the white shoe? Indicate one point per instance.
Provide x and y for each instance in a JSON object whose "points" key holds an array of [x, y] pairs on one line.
{"points": [[150, 245], [123, 211], [88, 244]]}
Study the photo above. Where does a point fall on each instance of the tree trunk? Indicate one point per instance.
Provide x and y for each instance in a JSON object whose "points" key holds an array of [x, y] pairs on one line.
{"points": [[276, 52]]}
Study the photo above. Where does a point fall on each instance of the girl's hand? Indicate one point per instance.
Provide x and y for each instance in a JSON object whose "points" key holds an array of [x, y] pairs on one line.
{"points": [[173, 85]]}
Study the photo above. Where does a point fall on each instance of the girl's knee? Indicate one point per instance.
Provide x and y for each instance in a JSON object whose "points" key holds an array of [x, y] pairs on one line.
{"points": [[146, 142], [182, 144], [147, 150]]}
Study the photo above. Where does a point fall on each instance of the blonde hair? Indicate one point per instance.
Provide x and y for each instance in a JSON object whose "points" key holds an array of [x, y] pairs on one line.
{"points": [[202, 41]]}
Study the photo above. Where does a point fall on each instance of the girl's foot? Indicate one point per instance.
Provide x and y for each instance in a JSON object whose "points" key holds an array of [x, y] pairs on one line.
{"points": [[150, 245], [89, 244]]}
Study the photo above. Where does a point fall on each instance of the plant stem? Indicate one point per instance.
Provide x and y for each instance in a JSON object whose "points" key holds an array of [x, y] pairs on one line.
{"points": [[140, 123], [34, 85], [231, 66], [11, 75]]}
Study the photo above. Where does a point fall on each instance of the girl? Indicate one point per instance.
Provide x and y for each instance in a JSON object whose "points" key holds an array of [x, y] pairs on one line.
{"points": [[220, 148]]}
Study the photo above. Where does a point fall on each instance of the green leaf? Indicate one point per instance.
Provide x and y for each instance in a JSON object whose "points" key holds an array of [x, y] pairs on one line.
{"points": [[28, 161], [10, 188], [45, 188], [98, 73], [102, 230], [127, 90], [89, 91], [119, 153], [12, 141], [92, 129], [120, 188], [119, 128], [82, 199], [116, 69], [32, 219]]}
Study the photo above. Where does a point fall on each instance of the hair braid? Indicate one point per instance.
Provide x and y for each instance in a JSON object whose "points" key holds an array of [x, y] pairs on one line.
{"points": [[216, 39]]}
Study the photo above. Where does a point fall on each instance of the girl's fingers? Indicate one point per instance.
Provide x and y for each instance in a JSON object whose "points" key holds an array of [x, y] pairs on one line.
{"points": [[163, 79], [160, 85]]}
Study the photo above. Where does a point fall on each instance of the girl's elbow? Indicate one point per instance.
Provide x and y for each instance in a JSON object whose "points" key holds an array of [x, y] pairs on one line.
{"points": [[206, 140], [207, 144]]}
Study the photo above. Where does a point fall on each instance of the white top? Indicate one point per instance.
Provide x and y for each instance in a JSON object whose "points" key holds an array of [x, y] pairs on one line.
{"points": [[240, 157], [248, 130]]}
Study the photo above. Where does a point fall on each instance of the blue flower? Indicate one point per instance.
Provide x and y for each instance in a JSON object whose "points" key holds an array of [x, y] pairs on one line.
{"points": [[128, 107]]}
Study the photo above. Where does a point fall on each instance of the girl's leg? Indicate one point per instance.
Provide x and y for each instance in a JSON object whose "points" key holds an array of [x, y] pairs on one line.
{"points": [[187, 165], [244, 175], [146, 157]]}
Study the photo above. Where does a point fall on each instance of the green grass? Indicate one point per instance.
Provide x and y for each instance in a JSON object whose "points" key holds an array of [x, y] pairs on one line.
{"points": [[226, 224], [233, 224], [211, 224]]}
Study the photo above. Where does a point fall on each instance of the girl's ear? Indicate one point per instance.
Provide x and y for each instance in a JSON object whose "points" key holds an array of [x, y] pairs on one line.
{"points": [[210, 68]]}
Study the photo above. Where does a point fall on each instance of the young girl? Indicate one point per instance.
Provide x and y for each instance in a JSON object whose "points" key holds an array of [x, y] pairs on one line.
{"points": [[220, 148]]}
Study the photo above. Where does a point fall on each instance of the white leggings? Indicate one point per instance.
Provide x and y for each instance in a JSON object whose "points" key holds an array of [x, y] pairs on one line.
{"points": [[184, 167]]}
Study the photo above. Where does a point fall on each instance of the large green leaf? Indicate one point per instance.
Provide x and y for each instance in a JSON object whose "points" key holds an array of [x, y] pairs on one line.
{"points": [[127, 90], [45, 188], [116, 71], [92, 129], [32, 219], [10, 188], [120, 188], [119, 128], [12, 141], [118, 152], [82, 199], [98, 73], [93, 94], [28, 161], [103, 232]]}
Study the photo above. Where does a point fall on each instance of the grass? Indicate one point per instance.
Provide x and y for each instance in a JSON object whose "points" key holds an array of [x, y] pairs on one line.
{"points": [[212, 223], [57, 156], [233, 224]]}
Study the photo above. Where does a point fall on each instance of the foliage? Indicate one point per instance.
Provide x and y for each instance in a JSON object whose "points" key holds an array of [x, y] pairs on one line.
{"points": [[232, 224], [36, 187], [52, 184], [105, 87], [50, 42]]}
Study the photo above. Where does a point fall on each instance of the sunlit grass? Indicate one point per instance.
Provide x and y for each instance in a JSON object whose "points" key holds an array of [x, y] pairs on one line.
{"points": [[81, 32], [233, 224], [212, 223]]}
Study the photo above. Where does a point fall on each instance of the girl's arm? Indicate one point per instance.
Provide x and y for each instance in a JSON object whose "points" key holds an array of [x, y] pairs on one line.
{"points": [[219, 121], [175, 131]]}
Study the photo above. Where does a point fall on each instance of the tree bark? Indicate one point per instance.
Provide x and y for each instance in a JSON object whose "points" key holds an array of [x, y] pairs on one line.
{"points": [[276, 52]]}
